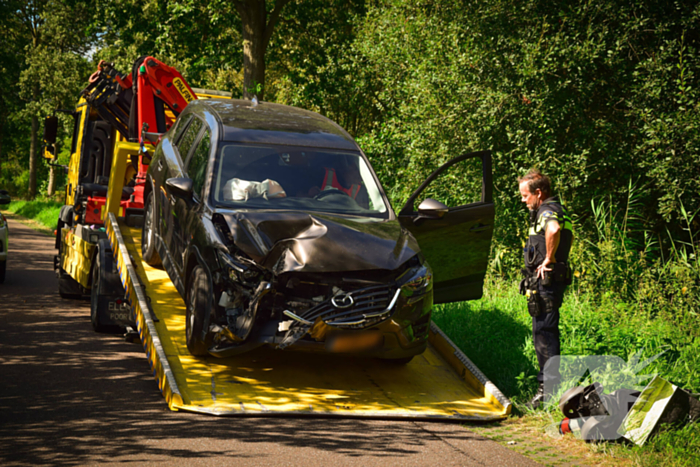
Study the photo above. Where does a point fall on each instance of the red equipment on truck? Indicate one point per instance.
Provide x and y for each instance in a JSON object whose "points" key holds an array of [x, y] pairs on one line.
{"points": [[110, 153], [150, 98]]}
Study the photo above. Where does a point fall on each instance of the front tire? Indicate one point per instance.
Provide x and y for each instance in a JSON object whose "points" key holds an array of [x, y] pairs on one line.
{"points": [[199, 300], [68, 287], [96, 301], [3, 269], [148, 234], [105, 287]]}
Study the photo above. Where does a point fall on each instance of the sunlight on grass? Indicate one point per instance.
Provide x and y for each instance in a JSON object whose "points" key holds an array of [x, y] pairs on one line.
{"points": [[44, 212]]}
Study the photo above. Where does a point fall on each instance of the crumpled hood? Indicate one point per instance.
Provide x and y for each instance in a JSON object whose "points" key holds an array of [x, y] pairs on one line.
{"points": [[303, 242]]}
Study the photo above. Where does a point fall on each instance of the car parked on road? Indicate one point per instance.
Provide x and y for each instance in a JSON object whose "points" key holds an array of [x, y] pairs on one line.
{"points": [[4, 234], [275, 230]]}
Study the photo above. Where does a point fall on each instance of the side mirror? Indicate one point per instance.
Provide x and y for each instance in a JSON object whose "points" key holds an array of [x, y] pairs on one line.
{"points": [[180, 187], [431, 208], [50, 129], [153, 138]]}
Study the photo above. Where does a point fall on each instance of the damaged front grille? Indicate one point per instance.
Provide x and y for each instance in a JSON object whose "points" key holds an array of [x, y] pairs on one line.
{"points": [[358, 309]]}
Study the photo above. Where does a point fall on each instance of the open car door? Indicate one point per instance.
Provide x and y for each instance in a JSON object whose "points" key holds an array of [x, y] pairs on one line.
{"points": [[451, 215]]}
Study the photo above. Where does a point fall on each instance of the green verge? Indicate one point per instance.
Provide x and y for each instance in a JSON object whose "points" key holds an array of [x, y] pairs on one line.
{"points": [[495, 333], [43, 211]]}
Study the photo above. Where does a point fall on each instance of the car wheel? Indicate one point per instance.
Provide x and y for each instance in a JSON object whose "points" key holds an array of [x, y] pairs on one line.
{"points": [[198, 301], [67, 286], [148, 235], [3, 269], [95, 301]]}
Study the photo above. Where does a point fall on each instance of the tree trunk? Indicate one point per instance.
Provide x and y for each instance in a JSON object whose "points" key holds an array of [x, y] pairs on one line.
{"points": [[33, 157], [258, 26], [254, 50], [0, 152], [52, 173]]}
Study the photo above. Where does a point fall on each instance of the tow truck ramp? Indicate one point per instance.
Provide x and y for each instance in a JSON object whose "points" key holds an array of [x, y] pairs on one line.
{"points": [[442, 383]]}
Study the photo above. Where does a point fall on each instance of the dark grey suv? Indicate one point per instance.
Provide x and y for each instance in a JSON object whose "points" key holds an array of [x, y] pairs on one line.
{"points": [[275, 230]]}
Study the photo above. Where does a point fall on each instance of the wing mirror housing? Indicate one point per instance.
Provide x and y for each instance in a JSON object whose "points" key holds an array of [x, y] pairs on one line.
{"points": [[432, 208], [180, 187], [50, 129], [5, 197], [50, 132], [153, 138]]}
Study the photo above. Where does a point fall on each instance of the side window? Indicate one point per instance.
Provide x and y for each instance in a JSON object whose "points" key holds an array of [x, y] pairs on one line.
{"points": [[76, 132], [197, 165], [188, 138], [180, 126], [456, 186]]}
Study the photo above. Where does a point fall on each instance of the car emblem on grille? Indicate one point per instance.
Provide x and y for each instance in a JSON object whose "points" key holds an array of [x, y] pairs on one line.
{"points": [[342, 301]]}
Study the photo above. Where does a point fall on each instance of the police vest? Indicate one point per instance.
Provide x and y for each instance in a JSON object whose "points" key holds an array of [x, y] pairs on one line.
{"points": [[536, 248], [331, 181]]}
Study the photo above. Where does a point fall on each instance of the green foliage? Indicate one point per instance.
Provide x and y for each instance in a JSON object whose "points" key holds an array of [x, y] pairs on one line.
{"points": [[586, 91], [201, 39], [44, 65], [314, 64], [44, 211]]}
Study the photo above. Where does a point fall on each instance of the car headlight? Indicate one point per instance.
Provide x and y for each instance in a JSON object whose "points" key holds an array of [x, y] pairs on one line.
{"points": [[417, 280], [236, 269]]}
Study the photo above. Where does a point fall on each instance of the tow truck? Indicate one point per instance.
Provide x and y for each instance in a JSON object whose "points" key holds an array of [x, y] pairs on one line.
{"points": [[117, 122]]}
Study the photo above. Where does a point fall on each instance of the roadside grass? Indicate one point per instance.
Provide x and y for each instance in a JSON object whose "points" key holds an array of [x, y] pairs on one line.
{"points": [[43, 211], [495, 333]]}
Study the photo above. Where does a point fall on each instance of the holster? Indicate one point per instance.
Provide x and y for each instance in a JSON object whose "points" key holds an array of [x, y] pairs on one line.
{"points": [[560, 273], [534, 303], [528, 287]]}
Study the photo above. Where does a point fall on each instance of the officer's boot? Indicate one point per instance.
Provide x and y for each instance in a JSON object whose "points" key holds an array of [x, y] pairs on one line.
{"points": [[537, 401]]}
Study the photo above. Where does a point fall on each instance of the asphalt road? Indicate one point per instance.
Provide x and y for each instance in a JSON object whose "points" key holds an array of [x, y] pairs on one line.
{"points": [[70, 396]]}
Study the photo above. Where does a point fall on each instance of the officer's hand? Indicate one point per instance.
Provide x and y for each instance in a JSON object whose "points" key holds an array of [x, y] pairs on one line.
{"points": [[542, 268]]}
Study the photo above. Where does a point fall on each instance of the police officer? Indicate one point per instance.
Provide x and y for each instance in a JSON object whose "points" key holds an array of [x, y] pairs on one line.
{"points": [[546, 272]]}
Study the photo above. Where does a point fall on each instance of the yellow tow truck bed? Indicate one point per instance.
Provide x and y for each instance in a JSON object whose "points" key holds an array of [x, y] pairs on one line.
{"points": [[441, 383]]}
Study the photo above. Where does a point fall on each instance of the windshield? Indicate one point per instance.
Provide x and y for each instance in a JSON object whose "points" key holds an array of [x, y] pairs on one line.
{"points": [[308, 179]]}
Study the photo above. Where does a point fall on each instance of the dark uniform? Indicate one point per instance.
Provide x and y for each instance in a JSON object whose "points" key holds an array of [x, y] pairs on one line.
{"points": [[545, 296]]}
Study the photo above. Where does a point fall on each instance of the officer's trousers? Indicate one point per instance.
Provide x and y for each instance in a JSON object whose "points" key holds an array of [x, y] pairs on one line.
{"points": [[545, 334]]}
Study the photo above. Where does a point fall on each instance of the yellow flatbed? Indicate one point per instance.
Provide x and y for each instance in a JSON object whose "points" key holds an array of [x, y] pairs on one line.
{"points": [[442, 383]]}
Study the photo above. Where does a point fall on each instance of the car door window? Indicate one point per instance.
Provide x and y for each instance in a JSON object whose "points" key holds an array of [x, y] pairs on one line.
{"points": [[456, 243], [180, 126], [458, 185], [197, 164], [189, 137]]}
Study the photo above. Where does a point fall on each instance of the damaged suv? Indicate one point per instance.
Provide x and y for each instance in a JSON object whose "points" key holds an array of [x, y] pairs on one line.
{"points": [[276, 231]]}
